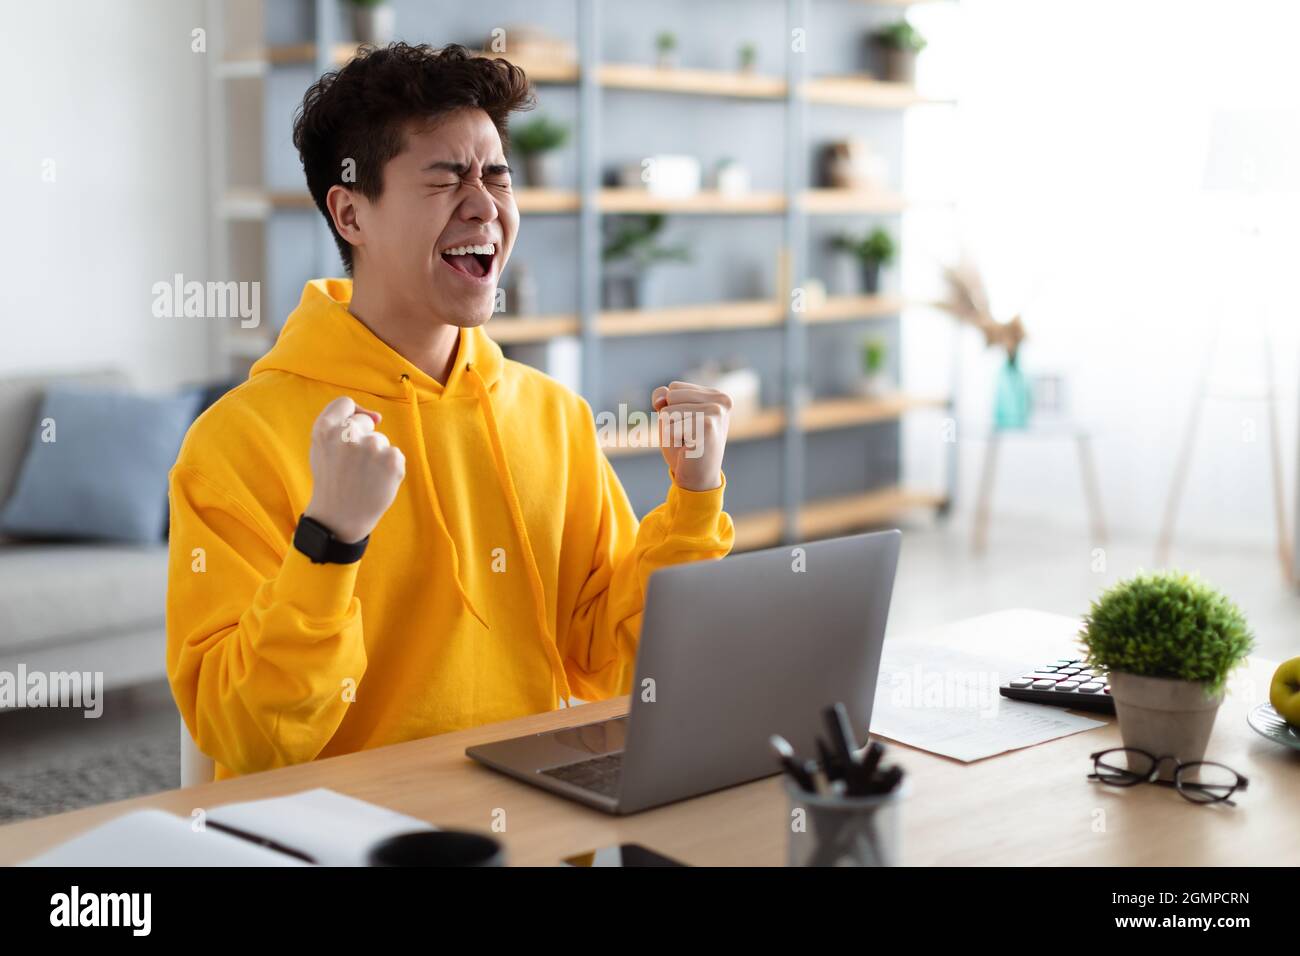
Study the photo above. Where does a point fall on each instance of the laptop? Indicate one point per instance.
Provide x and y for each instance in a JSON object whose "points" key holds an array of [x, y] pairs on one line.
{"points": [[731, 652]]}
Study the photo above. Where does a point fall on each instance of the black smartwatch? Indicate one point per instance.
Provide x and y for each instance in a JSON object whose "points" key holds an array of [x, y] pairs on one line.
{"points": [[319, 544]]}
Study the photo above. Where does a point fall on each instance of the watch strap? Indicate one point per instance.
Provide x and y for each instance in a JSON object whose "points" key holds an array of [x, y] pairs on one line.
{"points": [[318, 543]]}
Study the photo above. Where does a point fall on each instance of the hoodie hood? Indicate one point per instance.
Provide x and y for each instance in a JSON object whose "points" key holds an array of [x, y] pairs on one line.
{"points": [[326, 343]]}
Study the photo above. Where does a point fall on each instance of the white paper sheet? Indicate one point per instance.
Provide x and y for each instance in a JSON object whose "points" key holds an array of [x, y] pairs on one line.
{"points": [[947, 702], [330, 828], [155, 838]]}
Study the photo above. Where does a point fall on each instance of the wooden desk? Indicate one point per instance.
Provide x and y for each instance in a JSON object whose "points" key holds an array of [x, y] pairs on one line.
{"points": [[1030, 807]]}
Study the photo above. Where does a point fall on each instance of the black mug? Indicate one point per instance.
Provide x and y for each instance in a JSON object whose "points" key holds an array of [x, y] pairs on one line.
{"points": [[438, 848]]}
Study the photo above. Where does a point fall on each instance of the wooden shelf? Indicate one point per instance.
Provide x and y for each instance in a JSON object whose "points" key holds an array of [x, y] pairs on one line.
{"points": [[252, 203], [823, 415], [846, 308], [768, 423], [863, 91], [813, 201], [759, 529], [550, 71], [544, 201], [691, 318], [290, 200], [297, 53], [514, 330], [854, 90], [532, 201], [704, 202], [850, 412], [638, 76], [831, 202], [539, 70], [832, 516]]}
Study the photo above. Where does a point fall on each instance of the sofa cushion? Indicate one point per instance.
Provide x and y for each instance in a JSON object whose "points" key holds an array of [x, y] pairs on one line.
{"points": [[62, 593], [104, 476], [20, 400]]}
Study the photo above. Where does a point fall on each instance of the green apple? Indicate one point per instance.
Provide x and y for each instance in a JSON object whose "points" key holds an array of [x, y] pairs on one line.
{"points": [[1284, 692]]}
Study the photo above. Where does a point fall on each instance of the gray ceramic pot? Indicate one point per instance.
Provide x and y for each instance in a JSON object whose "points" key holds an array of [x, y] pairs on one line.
{"points": [[1164, 717], [541, 170], [900, 66]]}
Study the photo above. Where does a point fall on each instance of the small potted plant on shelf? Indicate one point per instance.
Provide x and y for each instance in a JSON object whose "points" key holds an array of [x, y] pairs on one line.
{"points": [[899, 43], [373, 22], [748, 57], [875, 376], [666, 49], [874, 250], [537, 142], [1168, 641], [631, 248]]}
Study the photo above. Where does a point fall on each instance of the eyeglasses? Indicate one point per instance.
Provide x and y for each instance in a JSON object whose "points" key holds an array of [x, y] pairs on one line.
{"points": [[1200, 781]]}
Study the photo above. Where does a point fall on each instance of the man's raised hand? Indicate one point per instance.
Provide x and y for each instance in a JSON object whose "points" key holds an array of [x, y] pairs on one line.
{"points": [[692, 432], [355, 471]]}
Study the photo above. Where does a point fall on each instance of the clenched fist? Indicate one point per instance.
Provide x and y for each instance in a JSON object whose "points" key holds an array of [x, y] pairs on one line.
{"points": [[692, 432], [355, 471]]}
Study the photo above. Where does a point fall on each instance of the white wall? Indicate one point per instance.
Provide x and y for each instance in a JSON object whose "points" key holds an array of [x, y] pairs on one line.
{"points": [[1078, 156], [112, 93]]}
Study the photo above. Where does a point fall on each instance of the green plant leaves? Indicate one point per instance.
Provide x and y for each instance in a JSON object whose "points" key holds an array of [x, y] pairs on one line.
{"points": [[1167, 624]]}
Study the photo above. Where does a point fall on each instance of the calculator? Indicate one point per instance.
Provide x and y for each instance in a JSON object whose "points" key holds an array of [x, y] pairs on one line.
{"points": [[1063, 683]]}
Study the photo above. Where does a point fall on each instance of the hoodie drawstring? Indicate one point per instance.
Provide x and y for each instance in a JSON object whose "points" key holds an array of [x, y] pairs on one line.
{"points": [[517, 516], [427, 471], [559, 679]]}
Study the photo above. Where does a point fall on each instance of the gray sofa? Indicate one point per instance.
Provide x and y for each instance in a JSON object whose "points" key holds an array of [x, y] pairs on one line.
{"points": [[75, 606]]}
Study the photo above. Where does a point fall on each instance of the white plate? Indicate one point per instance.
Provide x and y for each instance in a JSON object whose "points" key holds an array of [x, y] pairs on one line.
{"points": [[1267, 722]]}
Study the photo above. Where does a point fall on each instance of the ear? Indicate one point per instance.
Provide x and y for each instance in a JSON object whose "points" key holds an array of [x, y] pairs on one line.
{"points": [[343, 206]]}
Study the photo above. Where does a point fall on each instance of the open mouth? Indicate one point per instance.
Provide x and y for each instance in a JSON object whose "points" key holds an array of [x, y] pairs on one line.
{"points": [[475, 260]]}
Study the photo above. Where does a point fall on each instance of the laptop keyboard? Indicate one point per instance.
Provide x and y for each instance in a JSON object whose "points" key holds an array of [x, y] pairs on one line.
{"points": [[599, 774]]}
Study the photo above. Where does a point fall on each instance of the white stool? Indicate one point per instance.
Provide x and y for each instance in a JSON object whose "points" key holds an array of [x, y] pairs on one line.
{"points": [[1082, 439]]}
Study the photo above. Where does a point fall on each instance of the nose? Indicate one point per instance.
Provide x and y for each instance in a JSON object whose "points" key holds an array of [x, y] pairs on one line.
{"points": [[477, 206]]}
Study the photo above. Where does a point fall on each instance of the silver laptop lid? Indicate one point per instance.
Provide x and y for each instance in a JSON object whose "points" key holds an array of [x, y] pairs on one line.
{"points": [[736, 650]]}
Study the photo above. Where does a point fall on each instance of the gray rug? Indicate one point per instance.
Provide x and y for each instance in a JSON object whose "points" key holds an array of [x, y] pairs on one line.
{"points": [[116, 773]]}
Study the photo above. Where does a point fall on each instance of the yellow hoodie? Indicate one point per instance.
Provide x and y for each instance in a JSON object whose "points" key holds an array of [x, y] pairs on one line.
{"points": [[508, 574]]}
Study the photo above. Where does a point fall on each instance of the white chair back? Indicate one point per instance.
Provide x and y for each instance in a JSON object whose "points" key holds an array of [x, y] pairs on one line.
{"points": [[196, 766]]}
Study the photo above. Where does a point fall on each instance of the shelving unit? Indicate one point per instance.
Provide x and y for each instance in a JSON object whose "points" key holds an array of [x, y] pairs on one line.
{"points": [[796, 203]]}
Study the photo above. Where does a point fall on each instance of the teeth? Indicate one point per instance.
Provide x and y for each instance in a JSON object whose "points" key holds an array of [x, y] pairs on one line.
{"points": [[489, 249]]}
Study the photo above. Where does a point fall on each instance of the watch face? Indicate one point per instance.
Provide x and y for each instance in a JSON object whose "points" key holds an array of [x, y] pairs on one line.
{"points": [[312, 539]]}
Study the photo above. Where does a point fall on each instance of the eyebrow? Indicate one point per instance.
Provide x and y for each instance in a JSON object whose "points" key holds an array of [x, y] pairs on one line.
{"points": [[460, 169]]}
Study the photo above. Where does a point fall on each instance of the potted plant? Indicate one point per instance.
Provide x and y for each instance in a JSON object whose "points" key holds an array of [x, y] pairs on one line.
{"points": [[631, 248], [373, 22], [874, 250], [875, 376], [1168, 641], [899, 43], [537, 141], [731, 177], [748, 56], [666, 49]]}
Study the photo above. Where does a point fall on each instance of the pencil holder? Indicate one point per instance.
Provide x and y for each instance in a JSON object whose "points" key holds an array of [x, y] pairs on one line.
{"points": [[828, 830]]}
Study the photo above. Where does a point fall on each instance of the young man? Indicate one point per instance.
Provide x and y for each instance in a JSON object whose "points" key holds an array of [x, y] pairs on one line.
{"points": [[389, 531]]}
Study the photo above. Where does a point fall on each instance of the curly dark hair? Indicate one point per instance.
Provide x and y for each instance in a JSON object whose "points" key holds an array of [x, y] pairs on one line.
{"points": [[360, 111]]}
